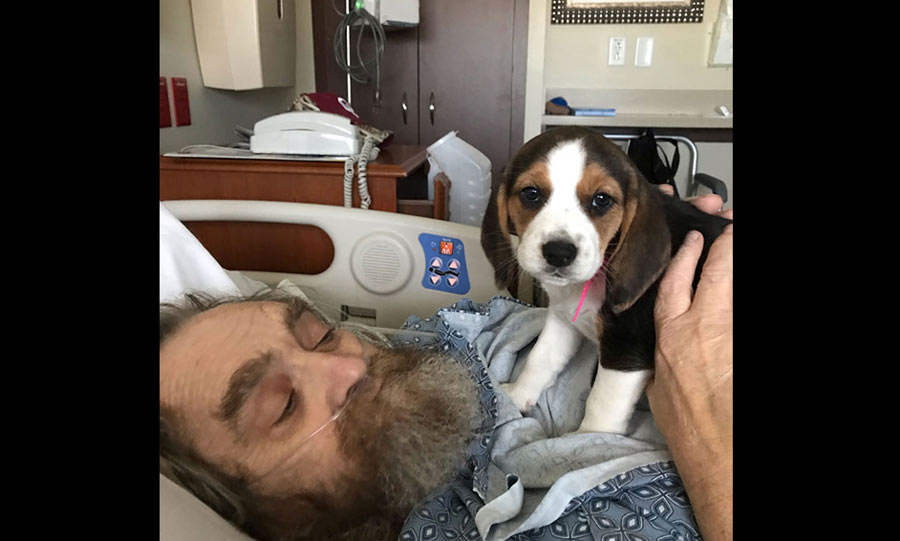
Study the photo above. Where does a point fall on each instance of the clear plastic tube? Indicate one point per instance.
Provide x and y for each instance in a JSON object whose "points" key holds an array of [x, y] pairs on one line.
{"points": [[312, 434], [362, 333]]}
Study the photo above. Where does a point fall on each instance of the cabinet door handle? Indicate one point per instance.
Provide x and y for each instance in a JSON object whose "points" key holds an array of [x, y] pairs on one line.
{"points": [[404, 107], [431, 108]]}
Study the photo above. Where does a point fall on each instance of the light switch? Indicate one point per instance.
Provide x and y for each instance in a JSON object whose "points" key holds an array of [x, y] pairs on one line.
{"points": [[643, 54]]}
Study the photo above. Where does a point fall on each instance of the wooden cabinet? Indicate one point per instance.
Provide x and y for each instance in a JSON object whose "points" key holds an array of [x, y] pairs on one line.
{"points": [[318, 182], [461, 69], [286, 247]]}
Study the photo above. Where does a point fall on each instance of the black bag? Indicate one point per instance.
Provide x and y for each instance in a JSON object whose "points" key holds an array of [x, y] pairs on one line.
{"points": [[645, 153]]}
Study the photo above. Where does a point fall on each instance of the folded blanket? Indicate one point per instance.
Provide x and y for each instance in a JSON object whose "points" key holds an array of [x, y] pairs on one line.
{"points": [[531, 476]]}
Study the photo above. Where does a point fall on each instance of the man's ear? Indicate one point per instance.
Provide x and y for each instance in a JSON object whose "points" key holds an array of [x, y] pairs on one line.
{"points": [[644, 247], [496, 240]]}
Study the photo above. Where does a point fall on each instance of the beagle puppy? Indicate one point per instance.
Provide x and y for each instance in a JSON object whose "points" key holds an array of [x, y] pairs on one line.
{"points": [[585, 215]]}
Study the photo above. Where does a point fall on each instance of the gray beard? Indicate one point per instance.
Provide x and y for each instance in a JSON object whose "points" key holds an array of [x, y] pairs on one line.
{"points": [[411, 435], [405, 432]]}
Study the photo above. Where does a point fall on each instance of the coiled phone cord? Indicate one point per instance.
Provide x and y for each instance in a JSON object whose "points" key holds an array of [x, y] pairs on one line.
{"points": [[369, 151]]}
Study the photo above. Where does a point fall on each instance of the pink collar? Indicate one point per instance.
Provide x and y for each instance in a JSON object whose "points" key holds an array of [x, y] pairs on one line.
{"points": [[600, 279]]}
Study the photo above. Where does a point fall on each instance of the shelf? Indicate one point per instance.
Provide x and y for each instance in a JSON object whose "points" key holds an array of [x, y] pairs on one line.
{"points": [[677, 109], [634, 120]]}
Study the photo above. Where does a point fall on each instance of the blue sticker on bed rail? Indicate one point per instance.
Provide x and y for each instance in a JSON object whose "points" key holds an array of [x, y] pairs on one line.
{"points": [[445, 264]]}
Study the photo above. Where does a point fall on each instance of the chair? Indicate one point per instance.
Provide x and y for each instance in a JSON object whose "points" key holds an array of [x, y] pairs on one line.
{"points": [[695, 179]]}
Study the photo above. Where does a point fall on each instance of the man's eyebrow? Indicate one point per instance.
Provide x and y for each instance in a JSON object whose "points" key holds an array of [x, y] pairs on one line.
{"points": [[245, 379], [295, 309], [241, 386]]}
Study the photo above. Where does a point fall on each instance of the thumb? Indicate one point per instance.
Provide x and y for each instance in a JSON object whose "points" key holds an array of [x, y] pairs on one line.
{"points": [[675, 289]]}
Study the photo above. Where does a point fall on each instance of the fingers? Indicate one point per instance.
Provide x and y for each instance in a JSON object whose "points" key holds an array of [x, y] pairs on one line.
{"points": [[728, 214], [674, 297], [708, 203], [666, 189], [717, 277]]}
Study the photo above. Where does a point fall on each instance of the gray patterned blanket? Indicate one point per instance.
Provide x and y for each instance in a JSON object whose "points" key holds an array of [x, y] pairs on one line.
{"points": [[531, 477]]}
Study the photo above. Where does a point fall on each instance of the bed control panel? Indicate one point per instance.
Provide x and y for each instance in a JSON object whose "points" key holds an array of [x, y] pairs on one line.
{"points": [[445, 264]]}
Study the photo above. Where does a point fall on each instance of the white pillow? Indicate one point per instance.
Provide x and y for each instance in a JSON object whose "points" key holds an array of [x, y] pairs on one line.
{"points": [[184, 264], [182, 517]]}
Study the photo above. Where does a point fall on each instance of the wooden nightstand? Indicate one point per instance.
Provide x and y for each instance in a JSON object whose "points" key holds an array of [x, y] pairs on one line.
{"points": [[281, 247]]}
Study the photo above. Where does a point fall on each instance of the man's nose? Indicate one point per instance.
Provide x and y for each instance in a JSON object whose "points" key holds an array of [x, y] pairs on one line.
{"points": [[345, 368]]}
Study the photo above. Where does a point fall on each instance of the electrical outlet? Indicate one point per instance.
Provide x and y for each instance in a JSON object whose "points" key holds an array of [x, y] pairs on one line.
{"points": [[616, 51]]}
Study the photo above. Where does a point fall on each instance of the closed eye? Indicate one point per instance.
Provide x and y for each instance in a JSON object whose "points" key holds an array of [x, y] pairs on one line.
{"points": [[310, 331], [289, 407], [326, 339]]}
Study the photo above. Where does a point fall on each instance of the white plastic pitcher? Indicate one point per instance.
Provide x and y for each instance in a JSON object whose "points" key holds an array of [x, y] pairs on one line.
{"points": [[469, 172]]}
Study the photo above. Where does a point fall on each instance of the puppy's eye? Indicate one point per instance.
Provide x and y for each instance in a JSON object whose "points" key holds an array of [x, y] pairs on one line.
{"points": [[530, 196], [601, 202]]}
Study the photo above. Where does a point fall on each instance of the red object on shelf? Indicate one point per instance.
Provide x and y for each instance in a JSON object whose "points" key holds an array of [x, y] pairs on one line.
{"points": [[182, 106], [165, 114]]}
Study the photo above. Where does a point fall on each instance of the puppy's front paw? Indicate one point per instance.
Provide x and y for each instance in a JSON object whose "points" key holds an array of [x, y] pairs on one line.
{"points": [[523, 396]]}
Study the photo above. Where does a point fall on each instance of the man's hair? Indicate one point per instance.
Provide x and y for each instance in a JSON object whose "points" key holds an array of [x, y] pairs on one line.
{"points": [[225, 494], [228, 495], [172, 315]]}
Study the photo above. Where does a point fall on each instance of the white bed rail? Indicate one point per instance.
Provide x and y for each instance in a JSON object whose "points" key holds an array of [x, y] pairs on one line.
{"points": [[382, 261]]}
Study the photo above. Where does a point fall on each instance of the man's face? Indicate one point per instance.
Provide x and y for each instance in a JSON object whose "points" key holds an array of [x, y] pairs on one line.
{"points": [[252, 381]]}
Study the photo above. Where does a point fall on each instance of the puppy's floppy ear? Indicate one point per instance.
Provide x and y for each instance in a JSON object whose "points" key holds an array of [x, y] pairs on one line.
{"points": [[644, 246], [495, 237]]}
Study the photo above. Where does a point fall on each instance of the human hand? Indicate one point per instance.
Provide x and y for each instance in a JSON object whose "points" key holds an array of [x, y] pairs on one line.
{"points": [[709, 203], [691, 394], [693, 380]]}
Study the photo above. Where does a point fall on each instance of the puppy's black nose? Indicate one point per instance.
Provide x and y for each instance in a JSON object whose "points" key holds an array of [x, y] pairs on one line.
{"points": [[559, 253]]}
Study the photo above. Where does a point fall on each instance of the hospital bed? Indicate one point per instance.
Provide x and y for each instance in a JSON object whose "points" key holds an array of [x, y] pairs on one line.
{"points": [[386, 267]]}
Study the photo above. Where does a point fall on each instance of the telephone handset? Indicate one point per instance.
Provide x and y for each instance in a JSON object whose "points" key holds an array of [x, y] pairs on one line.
{"points": [[309, 133], [324, 124]]}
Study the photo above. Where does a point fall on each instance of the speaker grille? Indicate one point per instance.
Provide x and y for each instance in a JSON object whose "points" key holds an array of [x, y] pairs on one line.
{"points": [[381, 263]]}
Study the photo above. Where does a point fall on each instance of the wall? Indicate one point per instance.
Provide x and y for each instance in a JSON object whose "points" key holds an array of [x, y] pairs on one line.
{"points": [[306, 66], [575, 56], [214, 112]]}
